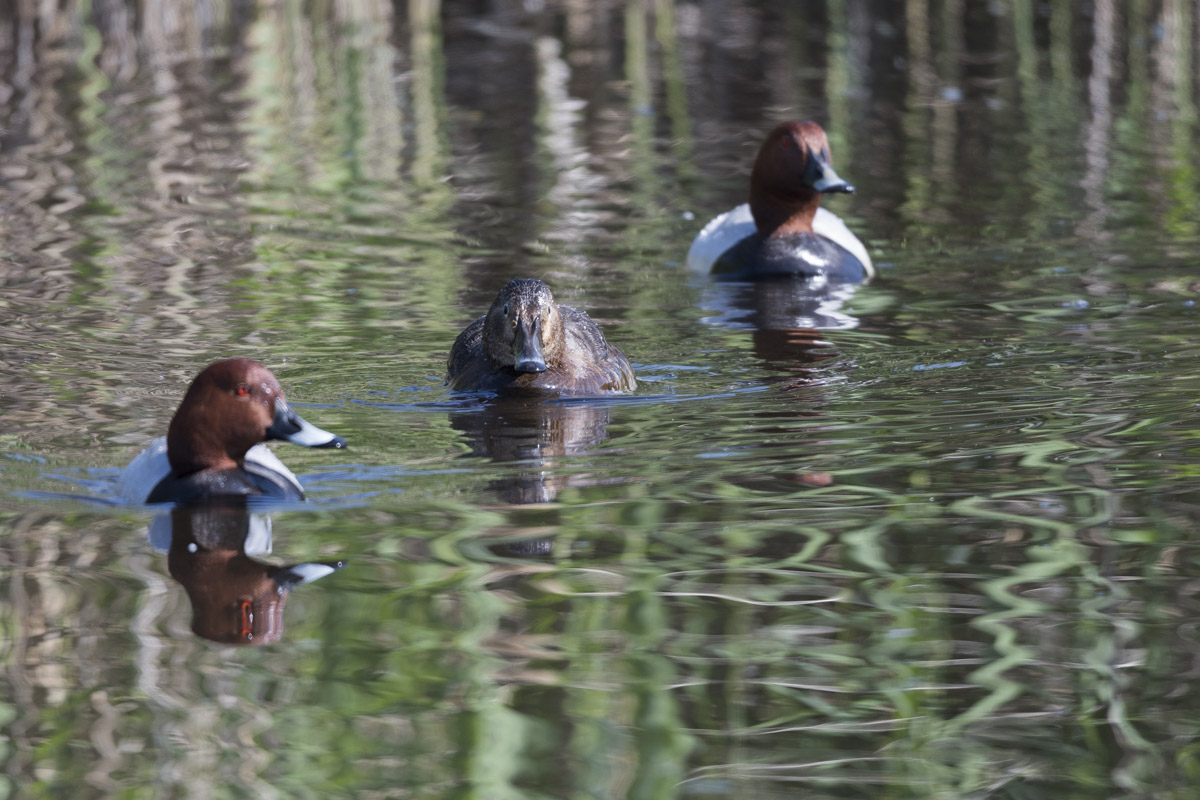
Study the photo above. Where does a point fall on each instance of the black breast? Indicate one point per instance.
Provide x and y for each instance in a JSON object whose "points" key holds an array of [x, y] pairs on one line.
{"points": [[804, 255], [208, 484]]}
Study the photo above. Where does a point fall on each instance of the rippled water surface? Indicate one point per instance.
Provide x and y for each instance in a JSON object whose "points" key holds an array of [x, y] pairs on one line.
{"points": [[933, 538]]}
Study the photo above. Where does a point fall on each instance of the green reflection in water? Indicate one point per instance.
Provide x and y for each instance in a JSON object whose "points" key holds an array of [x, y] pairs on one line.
{"points": [[674, 78], [1181, 180], [946, 553]]}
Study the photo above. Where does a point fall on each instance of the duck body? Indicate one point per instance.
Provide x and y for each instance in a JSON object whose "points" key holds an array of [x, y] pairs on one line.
{"points": [[261, 473], [783, 230], [527, 341], [731, 248], [213, 446]]}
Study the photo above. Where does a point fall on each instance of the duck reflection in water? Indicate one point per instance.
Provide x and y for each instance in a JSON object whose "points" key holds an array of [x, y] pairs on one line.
{"points": [[794, 264], [534, 433], [235, 598], [789, 320]]}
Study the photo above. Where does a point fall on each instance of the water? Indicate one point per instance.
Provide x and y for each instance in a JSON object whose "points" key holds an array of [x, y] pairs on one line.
{"points": [[941, 547]]}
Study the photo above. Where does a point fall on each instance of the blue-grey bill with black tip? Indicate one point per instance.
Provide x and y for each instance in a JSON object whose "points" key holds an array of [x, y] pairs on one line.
{"points": [[822, 176], [291, 427], [289, 577]]}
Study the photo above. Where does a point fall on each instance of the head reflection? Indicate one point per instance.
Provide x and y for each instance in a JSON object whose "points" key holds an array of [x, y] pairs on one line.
{"points": [[235, 599]]}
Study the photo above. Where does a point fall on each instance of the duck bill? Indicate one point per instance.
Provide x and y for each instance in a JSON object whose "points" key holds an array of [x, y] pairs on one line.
{"points": [[291, 427], [297, 574], [527, 350], [823, 178]]}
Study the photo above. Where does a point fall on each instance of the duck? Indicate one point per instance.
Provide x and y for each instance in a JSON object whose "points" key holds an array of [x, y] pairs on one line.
{"points": [[213, 448], [783, 230], [527, 341]]}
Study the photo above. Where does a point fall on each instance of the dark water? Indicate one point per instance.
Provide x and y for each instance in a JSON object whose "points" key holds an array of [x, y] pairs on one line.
{"points": [[942, 547]]}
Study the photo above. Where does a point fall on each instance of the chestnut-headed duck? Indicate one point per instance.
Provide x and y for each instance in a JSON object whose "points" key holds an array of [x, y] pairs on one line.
{"points": [[783, 230], [528, 341], [212, 448]]}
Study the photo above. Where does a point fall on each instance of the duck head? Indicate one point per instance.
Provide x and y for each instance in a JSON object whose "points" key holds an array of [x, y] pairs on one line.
{"points": [[524, 329], [791, 172], [231, 406]]}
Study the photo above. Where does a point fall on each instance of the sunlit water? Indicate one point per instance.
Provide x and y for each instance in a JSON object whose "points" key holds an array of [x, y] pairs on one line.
{"points": [[940, 547]]}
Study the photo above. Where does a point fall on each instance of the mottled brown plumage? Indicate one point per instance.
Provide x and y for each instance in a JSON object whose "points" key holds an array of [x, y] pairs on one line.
{"points": [[527, 341]]}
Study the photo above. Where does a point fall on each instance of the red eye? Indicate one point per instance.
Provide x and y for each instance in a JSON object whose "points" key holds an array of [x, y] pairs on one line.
{"points": [[243, 389], [247, 618]]}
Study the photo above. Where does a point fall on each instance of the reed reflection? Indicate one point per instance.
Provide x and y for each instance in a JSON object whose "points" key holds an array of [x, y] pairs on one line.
{"points": [[235, 598]]}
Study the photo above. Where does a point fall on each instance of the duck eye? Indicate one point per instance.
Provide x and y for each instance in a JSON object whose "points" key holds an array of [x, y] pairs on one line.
{"points": [[506, 310], [246, 609], [243, 389]]}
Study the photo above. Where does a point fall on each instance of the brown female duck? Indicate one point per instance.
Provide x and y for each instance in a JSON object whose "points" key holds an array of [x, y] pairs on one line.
{"points": [[528, 341]]}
